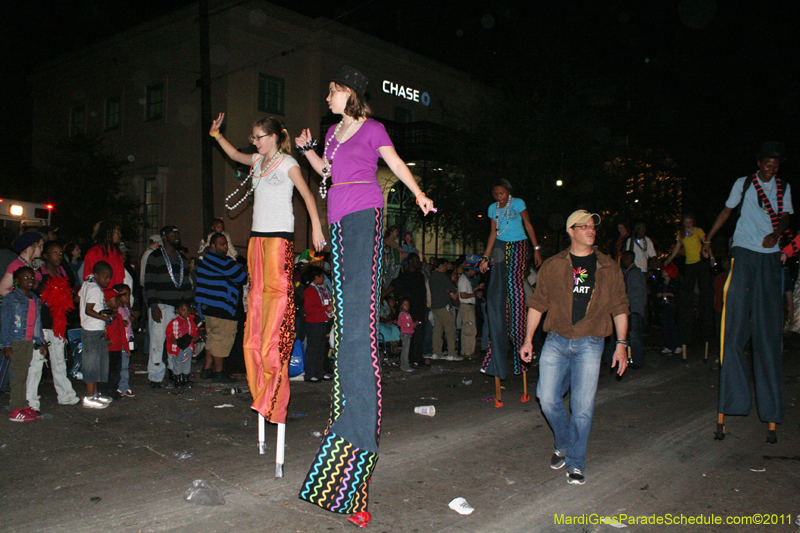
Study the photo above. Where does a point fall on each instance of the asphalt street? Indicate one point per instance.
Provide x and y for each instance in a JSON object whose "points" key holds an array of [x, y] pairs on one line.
{"points": [[651, 454]]}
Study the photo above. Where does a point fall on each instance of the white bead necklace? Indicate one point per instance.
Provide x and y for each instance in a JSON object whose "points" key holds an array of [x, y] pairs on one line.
{"points": [[326, 170], [252, 178], [505, 214]]}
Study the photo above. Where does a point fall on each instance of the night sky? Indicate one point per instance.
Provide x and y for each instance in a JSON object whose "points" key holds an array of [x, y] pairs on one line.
{"points": [[704, 81]]}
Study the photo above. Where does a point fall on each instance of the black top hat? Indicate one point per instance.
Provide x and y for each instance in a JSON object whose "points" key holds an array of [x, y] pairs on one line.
{"points": [[352, 78], [771, 150]]}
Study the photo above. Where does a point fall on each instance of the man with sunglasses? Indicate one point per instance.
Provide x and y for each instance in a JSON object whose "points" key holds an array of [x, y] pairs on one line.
{"points": [[580, 289]]}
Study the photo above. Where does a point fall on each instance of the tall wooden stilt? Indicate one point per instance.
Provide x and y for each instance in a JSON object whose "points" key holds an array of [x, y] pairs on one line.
{"points": [[684, 352], [525, 397], [772, 433], [705, 358], [497, 399], [720, 433]]}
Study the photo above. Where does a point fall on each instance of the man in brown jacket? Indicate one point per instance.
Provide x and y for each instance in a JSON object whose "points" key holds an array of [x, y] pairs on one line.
{"points": [[581, 290]]}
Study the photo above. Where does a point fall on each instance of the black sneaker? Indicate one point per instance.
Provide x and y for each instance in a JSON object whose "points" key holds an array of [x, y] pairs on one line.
{"points": [[155, 385], [575, 477], [222, 377], [557, 461], [206, 373]]}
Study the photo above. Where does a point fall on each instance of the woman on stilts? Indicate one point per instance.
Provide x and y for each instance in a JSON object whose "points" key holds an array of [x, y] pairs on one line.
{"points": [[269, 329], [507, 249], [339, 475]]}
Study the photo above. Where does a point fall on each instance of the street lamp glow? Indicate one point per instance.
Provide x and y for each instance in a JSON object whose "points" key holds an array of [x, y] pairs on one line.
{"points": [[559, 183]]}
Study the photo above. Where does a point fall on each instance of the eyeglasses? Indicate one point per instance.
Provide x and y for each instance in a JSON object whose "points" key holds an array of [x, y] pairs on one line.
{"points": [[586, 227], [254, 138]]}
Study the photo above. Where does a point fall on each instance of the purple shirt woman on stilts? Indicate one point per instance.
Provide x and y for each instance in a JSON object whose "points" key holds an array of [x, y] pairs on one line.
{"points": [[339, 475]]}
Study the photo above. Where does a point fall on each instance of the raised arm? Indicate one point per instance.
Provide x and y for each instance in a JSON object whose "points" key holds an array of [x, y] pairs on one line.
{"points": [[314, 160], [228, 148], [311, 205]]}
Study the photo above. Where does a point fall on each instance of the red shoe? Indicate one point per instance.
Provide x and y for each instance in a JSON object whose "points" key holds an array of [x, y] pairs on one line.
{"points": [[360, 519], [22, 415]]}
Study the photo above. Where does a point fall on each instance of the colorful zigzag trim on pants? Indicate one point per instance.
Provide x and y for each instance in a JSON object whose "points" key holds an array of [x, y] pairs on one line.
{"points": [[339, 478], [516, 261]]}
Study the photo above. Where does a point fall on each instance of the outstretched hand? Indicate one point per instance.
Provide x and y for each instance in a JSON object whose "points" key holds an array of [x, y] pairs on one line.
{"points": [[217, 123]]}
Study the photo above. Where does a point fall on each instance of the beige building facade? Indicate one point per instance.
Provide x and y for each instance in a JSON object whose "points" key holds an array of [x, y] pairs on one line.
{"points": [[139, 91]]}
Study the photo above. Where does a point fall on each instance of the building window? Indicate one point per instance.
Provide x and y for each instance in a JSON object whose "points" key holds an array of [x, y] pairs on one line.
{"points": [[401, 115], [154, 107], [400, 207], [270, 94], [151, 204], [113, 112], [77, 121]]}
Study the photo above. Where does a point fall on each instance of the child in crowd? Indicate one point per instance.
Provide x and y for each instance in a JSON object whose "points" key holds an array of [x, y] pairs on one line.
{"points": [[388, 324], [56, 290], [21, 327], [218, 226], [318, 307], [117, 341], [124, 311], [667, 295], [94, 363], [407, 326], [181, 335]]}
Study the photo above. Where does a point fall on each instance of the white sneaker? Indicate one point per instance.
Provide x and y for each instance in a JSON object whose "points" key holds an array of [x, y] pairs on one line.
{"points": [[436, 356], [453, 358], [103, 399], [666, 351], [92, 403], [72, 401], [679, 350]]}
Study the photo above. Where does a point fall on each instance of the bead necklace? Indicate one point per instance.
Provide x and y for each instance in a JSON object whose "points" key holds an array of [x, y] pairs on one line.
{"points": [[252, 178], [326, 170], [505, 214], [169, 267]]}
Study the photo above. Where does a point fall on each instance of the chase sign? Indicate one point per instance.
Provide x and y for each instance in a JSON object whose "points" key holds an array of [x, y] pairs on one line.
{"points": [[406, 92]]}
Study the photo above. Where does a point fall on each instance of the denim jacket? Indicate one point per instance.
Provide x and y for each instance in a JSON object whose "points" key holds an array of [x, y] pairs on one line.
{"points": [[14, 319]]}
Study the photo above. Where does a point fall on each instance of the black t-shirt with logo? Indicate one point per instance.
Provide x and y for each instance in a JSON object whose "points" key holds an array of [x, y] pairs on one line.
{"points": [[583, 278]]}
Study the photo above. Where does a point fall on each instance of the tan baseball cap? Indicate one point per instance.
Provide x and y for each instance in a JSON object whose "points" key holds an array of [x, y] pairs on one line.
{"points": [[580, 216]]}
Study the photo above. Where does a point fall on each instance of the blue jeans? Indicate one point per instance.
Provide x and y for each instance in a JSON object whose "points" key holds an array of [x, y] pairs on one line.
{"points": [[124, 374], [569, 364]]}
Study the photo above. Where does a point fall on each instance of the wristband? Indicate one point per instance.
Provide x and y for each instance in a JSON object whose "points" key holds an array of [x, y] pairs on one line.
{"points": [[622, 342], [214, 134], [309, 145], [417, 198]]}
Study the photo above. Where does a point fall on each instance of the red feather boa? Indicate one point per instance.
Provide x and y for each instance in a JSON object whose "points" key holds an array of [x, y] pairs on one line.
{"points": [[57, 295]]}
